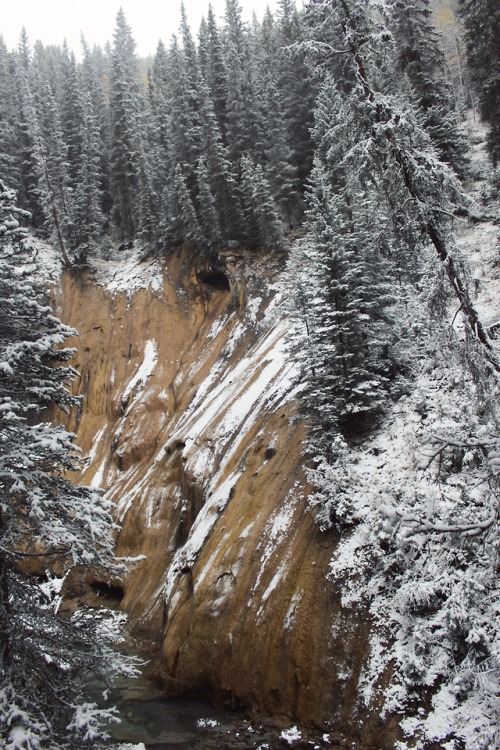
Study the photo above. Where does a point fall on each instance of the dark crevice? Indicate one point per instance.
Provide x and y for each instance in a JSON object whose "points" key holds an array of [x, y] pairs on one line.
{"points": [[108, 591], [215, 278]]}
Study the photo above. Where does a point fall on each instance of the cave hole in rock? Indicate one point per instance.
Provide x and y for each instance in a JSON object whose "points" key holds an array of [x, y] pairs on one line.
{"points": [[108, 591], [215, 278]]}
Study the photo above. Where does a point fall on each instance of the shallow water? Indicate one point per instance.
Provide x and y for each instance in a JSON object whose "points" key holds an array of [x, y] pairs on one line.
{"points": [[166, 724], [161, 723]]}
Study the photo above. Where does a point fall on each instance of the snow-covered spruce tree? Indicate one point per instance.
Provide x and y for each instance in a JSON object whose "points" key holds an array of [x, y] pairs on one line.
{"points": [[263, 225], [47, 524], [298, 90], [71, 111], [87, 195], [243, 127], [208, 215], [420, 59], [94, 77], [9, 165], [214, 70], [125, 129], [49, 163], [222, 181], [392, 144], [274, 154], [160, 105], [344, 293], [184, 124], [191, 230], [482, 38]]}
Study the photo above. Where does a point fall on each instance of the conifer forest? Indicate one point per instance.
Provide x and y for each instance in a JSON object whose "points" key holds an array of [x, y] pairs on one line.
{"points": [[350, 150]]}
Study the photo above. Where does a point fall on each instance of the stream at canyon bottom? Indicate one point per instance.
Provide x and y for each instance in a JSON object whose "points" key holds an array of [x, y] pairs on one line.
{"points": [[149, 721]]}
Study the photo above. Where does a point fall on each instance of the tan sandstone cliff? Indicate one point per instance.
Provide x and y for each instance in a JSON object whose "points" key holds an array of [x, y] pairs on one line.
{"points": [[187, 423]]}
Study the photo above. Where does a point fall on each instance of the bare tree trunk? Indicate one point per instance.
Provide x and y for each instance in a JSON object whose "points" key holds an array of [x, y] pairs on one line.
{"points": [[5, 650], [55, 217]]}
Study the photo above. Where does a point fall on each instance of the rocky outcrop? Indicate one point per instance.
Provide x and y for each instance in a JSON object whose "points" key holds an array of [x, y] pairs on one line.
{"points": [[187, 420]]}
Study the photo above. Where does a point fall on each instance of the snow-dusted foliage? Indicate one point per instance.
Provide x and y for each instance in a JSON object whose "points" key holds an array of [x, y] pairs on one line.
{"points": [[482, 25], [418, 501], [46, 523], [379, 196]]}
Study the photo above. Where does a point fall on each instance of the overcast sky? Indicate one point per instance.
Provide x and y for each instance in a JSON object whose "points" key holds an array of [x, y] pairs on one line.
{"points": [[52, 21]]}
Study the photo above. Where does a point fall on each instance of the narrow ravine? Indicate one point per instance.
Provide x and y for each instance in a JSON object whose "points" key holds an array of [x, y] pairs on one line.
{"points": [[188, 424]]}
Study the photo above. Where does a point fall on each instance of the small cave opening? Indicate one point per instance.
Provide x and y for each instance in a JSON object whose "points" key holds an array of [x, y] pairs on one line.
{"points": [[108, 591], [215, 278]]}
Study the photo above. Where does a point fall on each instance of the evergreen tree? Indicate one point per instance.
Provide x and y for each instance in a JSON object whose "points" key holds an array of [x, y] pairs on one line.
{"points": [[482, 37], [44, 657], [94, 72], [161, 150], [159, 97], [87, 192], [23, 112], [219, 171], [125, 127], [273, 153], [340, 306], [420, 58], [208, 215], [49, 166], [148, 200], [9, 165], [298, 90], [215, 72], [24, 52], [244, 132], [184, 116], [263, 226], [71, 113], [53, 151], [192, 231]]}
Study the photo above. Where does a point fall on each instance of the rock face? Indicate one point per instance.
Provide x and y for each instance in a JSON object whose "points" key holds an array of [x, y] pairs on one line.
{"points": [[187, 420]]}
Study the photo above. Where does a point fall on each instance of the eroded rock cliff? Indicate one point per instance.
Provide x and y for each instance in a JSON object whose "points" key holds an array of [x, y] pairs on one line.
{"points": [[187, 420]]}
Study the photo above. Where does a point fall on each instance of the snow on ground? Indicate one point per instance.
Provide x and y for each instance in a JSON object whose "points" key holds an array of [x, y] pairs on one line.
{"points": [[91, 456], [128, 272], [49, 262], [228, 403], [291, 735]]}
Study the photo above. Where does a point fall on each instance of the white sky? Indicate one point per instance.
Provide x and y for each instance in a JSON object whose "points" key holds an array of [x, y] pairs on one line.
{"points": [[52, 21]]}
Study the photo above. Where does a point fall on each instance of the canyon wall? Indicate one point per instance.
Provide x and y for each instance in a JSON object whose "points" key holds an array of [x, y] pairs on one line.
{"points": [[187, 422]]}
